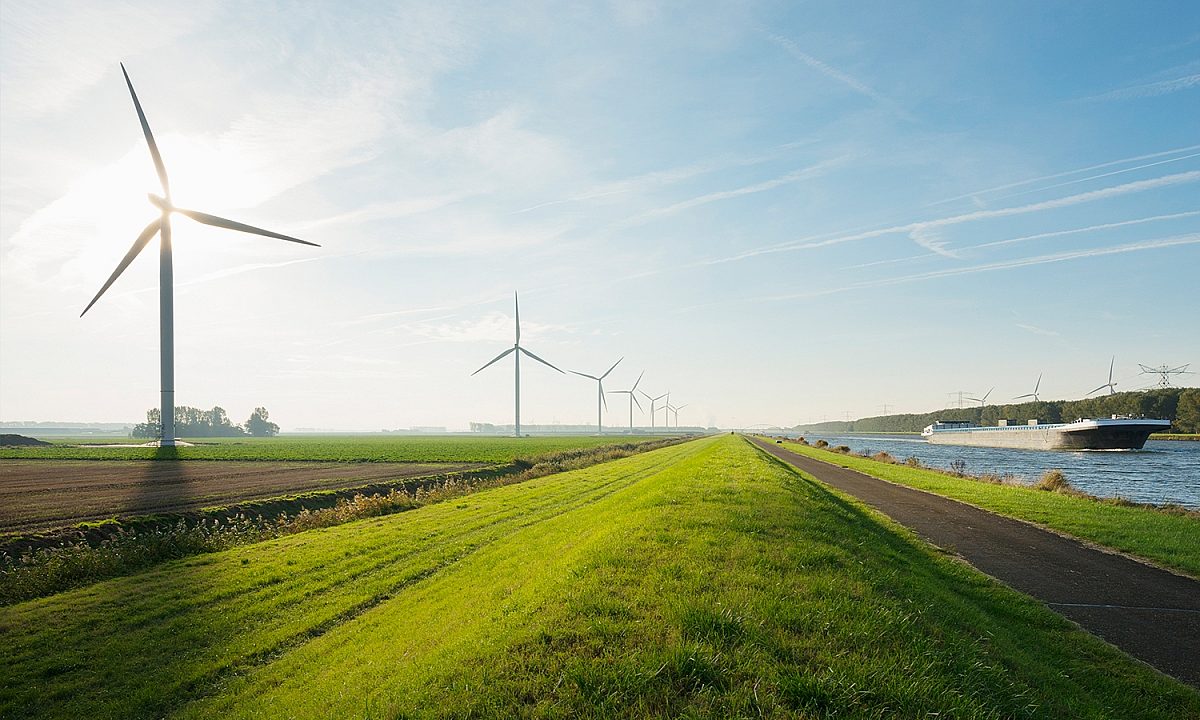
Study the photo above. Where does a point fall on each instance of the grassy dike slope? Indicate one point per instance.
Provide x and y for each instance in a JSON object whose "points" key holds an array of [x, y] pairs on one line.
{"points": [[1169, 539], [702, 580]]}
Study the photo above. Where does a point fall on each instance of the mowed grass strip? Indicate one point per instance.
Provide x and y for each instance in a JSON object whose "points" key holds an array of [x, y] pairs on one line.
{"points": [[141, 645], [1170, 539], [361, 448], [702, 580]]}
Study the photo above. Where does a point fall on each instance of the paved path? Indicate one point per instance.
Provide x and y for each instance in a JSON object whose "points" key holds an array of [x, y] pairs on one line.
{"points": [[1152, 614]]}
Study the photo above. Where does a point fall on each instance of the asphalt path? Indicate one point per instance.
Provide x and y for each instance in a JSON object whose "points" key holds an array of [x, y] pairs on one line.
{"points": [[1150, 613]]}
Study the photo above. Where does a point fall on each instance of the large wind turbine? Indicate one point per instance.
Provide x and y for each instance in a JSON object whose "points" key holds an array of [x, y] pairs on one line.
{"points": [[1033, 394], [653, 400], [983, 400], [632, 397], [162, 227], [516, 351], [1112, 386], [600, 392]]}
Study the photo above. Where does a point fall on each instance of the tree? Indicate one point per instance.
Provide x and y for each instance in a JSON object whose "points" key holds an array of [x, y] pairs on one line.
{"points": [[1187, 415], [259, 425]]}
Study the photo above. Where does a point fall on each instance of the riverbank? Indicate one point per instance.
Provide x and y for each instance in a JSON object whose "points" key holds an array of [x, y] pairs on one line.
{"points": [[1169, 537]]}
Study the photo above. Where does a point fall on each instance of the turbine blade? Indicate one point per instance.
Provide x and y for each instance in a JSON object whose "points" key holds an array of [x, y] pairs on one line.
{"points": [[150, 231], [1098, 389], [1018, 397], [240, 227], [535, 357], [1110, 368], [635, 400], [158, 163], [517, 308], [635, 384], [592, 377], [606, 372], [603, 399], [501, 355], [1038, 384]]}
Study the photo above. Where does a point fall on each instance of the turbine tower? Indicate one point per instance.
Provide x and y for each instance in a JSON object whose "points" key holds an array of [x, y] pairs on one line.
{"points": [[600, 393], [652, 401], [1112, 386], [516, 351], [675, 410], [632, 398], [983, 400], [1033, 394], [166, 305], [1164, 373]]}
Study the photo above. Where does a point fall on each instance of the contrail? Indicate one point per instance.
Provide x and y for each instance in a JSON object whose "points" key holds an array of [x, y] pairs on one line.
{"points": [[1090, 196], [1068, 173], [1105, 226]]}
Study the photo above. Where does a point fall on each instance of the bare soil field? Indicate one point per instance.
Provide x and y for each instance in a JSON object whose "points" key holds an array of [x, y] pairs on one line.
{"points": [[39, 495]]}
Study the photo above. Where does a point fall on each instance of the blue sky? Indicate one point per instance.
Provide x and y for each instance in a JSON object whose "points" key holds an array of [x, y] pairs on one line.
{"points": [[781, 212]]}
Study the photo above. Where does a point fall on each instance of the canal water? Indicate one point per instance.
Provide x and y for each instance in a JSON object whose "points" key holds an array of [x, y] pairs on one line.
{"points": [[1165, 471]]}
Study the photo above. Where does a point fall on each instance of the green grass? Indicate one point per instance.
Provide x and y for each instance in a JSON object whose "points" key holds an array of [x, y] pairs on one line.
{"points": [[701, 580], [1171, 539], [360, 448]]}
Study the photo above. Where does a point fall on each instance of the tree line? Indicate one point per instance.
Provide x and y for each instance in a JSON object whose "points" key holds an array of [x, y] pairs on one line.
{"points": [[1179, 405], [194, 422]]}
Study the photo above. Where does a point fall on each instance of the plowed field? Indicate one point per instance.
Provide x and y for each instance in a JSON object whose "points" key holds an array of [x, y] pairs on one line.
{"points": [[36, 495]]}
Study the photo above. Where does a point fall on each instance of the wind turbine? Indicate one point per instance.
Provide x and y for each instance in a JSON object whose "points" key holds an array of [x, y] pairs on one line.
{"points": [[1033, 394], [983, 400], [600, 393], [632, 398], [516, 351], [162, 227], [1112, 386], [652, 401], [675, 411]]}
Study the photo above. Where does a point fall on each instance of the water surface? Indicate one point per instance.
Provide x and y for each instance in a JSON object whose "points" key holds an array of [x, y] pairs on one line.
{"points": [[1166, 471]]}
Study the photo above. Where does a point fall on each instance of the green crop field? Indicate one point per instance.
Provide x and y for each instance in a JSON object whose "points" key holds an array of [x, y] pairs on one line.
{"points": [[338, 448], [699, 580], [1171, 539]]}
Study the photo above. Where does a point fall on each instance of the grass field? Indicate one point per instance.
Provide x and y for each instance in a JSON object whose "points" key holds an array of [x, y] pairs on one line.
{"points": [[1169, 539], [701, 580], [339, 448]]}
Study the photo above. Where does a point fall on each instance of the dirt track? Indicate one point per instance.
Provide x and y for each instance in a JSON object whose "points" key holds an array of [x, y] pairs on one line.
{"points": [[1152, 614], [42, 494]]}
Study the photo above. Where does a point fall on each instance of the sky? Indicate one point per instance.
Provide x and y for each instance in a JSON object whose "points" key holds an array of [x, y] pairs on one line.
{"points": [[780, 212]]}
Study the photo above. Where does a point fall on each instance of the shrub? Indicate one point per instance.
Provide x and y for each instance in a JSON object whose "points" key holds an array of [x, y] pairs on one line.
{"points": [[912, 461], [843, 449], [1053, 481], [959, 467], [822, 444], [884, 456]]}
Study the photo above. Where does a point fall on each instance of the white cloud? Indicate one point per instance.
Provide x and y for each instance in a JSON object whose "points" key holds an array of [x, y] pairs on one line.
{"points": [[51, 52]]}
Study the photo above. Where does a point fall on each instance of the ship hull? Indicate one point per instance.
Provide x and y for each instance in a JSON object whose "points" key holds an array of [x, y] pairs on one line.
{"points": [[1080, 435]]}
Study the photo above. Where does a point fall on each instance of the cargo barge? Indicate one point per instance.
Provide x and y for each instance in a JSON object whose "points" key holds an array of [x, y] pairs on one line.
{"points": [[1114, 433]]}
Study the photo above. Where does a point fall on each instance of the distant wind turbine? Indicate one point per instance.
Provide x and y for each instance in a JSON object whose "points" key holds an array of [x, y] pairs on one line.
{"points": [[600, 393], [1033, 394], [983, 400], [653, 400], [675, 411], [1112, 386], [632, 397], [516, 351], [162, 228]]}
